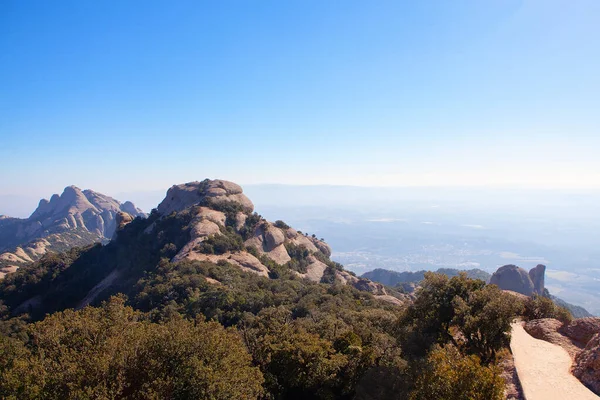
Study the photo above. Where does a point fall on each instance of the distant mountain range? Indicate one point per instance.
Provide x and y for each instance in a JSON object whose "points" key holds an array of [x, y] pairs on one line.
{"points": [[75, 218], [393, 278], [508, 277]]}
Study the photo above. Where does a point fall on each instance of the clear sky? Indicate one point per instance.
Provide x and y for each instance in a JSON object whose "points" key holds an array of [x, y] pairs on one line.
{"points": [[138, 95]]}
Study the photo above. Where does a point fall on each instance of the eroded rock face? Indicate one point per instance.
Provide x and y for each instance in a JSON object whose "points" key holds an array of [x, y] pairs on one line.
{"points": [[511, 277], [123, 219], [536, 275], [206, 198], [587, 364], [180, 197], [582, 330]]}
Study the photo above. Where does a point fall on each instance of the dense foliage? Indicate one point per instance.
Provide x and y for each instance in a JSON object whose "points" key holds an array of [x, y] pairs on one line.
{"points": [[536, 307], [113, 353], [444, 306], [449, 374], [280, 337]]}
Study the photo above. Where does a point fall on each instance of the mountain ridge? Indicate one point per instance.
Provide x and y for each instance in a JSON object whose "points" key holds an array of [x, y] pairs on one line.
{"points": [[211, 222], [74, 218]]}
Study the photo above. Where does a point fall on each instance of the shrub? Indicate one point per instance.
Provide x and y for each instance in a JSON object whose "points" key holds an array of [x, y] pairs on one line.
{"points": [[537, 307], [111, 352], [280, 224], [450, 375]]}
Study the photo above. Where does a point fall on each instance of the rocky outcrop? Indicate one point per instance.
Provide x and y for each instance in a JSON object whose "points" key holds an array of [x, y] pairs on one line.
{"points": [[123, 219], [537, 278], [207, 192], [75, 218], [315, 270], [245, 261], [218, 205], [511, 277], [587, 364], [582, 330]]}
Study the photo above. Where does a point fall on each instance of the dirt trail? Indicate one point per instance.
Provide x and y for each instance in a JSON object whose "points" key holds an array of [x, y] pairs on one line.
{"points": [[544, 369]]}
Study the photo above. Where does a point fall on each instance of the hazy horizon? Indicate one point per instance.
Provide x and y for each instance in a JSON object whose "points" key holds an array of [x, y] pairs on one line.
{"points": [[21, 206]]}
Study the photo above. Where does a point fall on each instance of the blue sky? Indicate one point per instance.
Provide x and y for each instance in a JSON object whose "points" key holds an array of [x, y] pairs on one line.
{"points": [[137, 95]]}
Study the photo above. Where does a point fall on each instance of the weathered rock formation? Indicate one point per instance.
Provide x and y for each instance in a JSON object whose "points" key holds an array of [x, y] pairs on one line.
{"points": [[587, 364], [75, 218], [218, 205], [511, 277], [582, 330], [180, 197], [537, 278]]}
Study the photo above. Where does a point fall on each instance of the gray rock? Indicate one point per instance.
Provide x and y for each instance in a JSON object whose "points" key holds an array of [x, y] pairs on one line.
{"points": [[180, 197], [537, 278], [511, 277]]}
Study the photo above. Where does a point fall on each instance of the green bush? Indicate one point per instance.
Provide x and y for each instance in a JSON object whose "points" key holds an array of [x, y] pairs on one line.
{"points": [[112, 353], [280, 224], [537, 307], [451, 375]]}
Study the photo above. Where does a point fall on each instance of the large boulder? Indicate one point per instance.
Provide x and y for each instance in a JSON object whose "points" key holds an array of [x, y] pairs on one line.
{"points": [[582, 330], [536, 275], [208, 192], [123, 219], [587, 364], [74, 218], [511, 277]]}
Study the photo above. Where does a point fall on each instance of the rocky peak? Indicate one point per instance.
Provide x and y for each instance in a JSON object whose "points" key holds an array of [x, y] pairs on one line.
{"points": [[263, 243], [511, 277], [207, 192], [516, 279], [130, 208], [72, 200], [537, 278], [74, 218]]}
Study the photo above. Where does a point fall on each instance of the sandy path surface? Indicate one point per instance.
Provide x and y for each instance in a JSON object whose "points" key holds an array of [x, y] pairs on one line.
{"points": [[544, 369]]}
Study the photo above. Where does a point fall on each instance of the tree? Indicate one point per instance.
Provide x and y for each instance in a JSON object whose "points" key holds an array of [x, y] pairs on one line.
{"points": [[537, 307], [428, 320], [451, 375], [484, 320], [113, 353]]}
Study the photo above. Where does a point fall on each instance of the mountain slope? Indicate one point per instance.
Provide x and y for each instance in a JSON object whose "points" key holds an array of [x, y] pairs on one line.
{"points": [[75, 218], [208, 222], [312, 329]]}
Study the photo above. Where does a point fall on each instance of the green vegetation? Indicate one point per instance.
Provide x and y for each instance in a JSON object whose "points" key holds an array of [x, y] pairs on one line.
{"points": [[196, 329], [226, 241], [112, 352], [449, 374], [444, 306], [280, 224], [395, 278], [537, 307], [299, 257]]}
